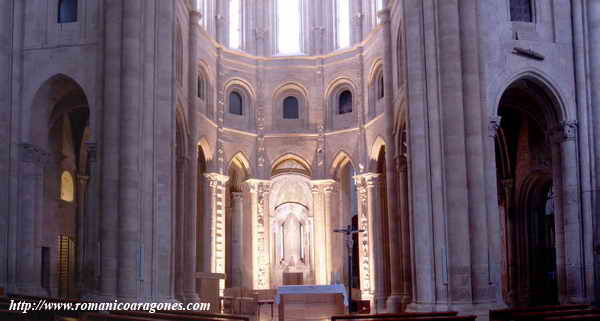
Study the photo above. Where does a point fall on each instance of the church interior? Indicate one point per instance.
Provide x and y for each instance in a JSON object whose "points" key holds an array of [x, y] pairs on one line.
{"points": [[306, 158]]}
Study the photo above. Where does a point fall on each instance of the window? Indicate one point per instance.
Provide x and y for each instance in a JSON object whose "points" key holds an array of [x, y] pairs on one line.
{"points": [[343, 23], [202, 6], [290, 108], [521, 10], [67, 11], [345, 102], [201, 88], [289, 26], [378, 7], [235, 24], [235, 103], [380, 88], [67, 187]]}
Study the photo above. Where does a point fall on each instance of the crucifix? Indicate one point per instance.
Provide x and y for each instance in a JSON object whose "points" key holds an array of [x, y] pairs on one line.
{"points": [[348, 233]]}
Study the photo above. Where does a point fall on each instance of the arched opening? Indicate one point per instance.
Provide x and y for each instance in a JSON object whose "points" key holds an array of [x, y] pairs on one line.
{"points": [[61, 131], [345, 102], [349, 216], [528, 164], [67, 11], [236, 103], [291, 108], [238, 227]]}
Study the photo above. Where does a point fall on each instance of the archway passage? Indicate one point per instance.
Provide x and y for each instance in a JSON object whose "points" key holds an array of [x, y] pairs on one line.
{"points": [[60, 127], [527, 166]]}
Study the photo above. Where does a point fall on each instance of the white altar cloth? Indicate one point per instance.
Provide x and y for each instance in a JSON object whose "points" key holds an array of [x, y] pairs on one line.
{"points": [[312, 289]]}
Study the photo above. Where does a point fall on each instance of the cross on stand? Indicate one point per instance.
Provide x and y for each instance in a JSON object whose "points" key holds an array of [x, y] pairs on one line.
{"points": [[348, 233]]}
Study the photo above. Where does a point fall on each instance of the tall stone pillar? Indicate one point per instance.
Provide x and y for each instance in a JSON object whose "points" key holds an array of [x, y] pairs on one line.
{"points": [[394, 302], [191, 214], [180, 226], [91, 257], [130, 271], [375, 233], [570, 212], [214, 226], [31, 191], [82, 228], [237, 234], [329, 192], [322, 274], [259, 204], [593, 19], [402, 258]]}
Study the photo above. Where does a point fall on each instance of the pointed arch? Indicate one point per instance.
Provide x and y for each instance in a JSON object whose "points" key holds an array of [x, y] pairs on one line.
{"points": [[291, 163], [206, 149], [241, 161], [378, 145], [340, 160]]}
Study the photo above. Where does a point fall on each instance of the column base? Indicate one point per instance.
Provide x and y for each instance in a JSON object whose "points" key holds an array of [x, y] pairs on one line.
{"points": [[379, 304], [397, 303]]}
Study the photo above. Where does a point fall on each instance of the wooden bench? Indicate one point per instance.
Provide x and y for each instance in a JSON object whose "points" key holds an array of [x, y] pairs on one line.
{"points": [[168, 316], [507, 314], [441, 318], [208, 315], [583, 317], [10, 315], [387, 316], [534, 316], [113, 317]]}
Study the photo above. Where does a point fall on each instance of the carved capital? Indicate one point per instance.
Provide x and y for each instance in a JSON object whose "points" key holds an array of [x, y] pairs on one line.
{"points": [[216, 180], [567, 130], [30, 153], [384, 15], [493, 126], [372, 180]]}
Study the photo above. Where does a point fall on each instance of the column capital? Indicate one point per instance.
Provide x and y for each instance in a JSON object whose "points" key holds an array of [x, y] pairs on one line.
{"points": [[384, 14], [566, 131], [328, 185], [367, 179], [195, 16], [30, 153], [254, 185], [216, 179], [493, 126]]}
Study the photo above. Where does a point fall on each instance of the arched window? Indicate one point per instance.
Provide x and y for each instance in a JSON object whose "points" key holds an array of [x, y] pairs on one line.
{"points": [[235, 103], [345, 102], [521, 10], [342, 23], [291, 108], [380, 88], [67, 11], [235, 24], [201, 87], [378, 7], [289, 25]]}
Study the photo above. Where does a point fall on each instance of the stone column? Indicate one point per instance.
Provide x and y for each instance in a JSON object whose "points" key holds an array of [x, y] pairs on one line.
{"points": [[402, 258], [375, 234], [82, 229], [130, 251], [259, 199], [237, 233], [180, 227], [570, 212], [329, 194], [322, 274], [31, 191], [365, 239], [593, 19], [191, 214], [214, 226], [91, 258], [394, 303]]}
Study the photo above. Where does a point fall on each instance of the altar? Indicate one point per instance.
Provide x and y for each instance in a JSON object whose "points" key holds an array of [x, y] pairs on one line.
{"points": [[310, 294]]}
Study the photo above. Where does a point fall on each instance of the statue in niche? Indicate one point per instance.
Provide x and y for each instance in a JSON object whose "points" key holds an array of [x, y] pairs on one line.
{"points": [[292, 243]]}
